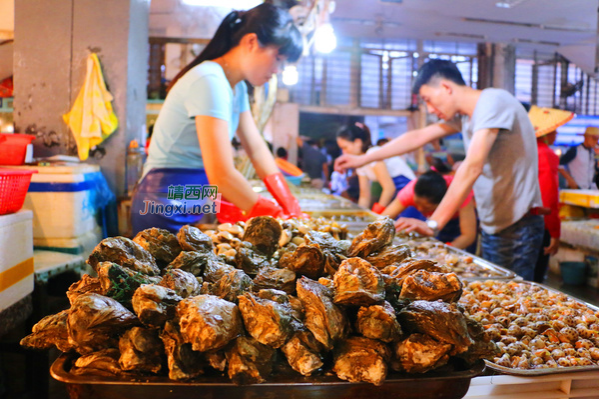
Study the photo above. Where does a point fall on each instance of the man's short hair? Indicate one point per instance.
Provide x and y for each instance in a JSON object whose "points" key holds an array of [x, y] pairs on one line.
{"points": [[435, 69]]}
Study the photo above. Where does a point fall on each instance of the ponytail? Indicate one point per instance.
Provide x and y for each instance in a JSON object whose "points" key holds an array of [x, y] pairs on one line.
{"points": [[272, 25], [354, 132]]}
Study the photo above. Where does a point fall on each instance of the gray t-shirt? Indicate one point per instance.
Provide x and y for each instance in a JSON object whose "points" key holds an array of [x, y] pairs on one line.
{"points": [[509, 184]]}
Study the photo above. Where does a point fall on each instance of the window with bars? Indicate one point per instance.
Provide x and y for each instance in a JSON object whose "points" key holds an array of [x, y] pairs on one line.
{"points": [[386, 73], [523, 81]]}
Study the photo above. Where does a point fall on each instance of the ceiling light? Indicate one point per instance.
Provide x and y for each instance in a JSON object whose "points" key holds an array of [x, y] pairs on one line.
{"points": [[508, 3], [235, 4], [290, 75], [325, 40]]}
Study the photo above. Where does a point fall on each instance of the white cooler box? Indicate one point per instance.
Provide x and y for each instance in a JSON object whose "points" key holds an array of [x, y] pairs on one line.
{"points": [[16, 257], [61, 200]]}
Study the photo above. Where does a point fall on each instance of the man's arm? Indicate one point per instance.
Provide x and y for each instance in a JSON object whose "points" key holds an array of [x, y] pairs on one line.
{"points": [[405, 143], [467, 173], [410, 141], [569, 179], [467, 227]]}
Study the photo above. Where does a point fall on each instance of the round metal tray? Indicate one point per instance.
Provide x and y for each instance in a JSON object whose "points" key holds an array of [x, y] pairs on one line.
{"points": [[437, 384]]}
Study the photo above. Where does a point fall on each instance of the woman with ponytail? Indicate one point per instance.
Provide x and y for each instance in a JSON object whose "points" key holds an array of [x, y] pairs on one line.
{"points": [[392, 174], [207, 104]]}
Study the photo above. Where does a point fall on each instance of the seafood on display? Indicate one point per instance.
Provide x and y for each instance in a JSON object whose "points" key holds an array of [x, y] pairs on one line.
{"points": [[534, 327], [254, 298]]}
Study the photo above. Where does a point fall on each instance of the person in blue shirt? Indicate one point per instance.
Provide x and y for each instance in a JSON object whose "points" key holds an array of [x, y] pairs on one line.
{"points": [[207, 104]]}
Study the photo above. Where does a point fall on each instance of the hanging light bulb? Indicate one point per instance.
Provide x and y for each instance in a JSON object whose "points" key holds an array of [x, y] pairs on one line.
{"points": [[325, 40], [290, 75]]}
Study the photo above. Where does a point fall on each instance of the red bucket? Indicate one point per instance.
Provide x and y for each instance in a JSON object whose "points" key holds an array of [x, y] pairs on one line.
{"points": [[13, 188], [13, 148]]}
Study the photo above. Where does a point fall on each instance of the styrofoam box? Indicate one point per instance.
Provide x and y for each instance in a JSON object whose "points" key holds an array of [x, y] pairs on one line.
{"points": [[61, 214], [16, 257], [82, 245]]}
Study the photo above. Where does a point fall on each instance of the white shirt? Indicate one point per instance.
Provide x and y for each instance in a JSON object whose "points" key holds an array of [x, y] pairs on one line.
{"points": [[395, 165]]}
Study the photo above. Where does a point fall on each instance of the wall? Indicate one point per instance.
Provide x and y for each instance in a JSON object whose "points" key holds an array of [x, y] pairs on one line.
{"points": [[55, 38]]}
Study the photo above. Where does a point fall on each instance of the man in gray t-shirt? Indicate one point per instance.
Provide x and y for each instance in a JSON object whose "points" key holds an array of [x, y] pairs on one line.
{"points": [[501, 164]]}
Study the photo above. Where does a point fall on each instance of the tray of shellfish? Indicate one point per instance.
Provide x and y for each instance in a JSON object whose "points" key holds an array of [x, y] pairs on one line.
{"points": [[469, 267], [539, 330]]}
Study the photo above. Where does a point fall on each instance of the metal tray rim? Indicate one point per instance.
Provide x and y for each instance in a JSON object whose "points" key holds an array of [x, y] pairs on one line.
{"points": [[506, 273], [58, 371], [547, 371]]}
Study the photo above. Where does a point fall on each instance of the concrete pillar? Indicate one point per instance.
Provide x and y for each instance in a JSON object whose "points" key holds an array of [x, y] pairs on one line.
{"points": [[497, 66], [54, 38]]}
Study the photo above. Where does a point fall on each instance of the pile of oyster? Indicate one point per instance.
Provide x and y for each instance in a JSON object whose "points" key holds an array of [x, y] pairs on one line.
{"points": [[183, 305]]}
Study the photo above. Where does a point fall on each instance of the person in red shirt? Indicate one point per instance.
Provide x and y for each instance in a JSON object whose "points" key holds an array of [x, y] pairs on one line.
{"points": [[425, 194], [546, 121]]}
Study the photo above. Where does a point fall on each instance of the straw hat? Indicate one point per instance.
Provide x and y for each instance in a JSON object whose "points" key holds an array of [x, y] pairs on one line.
{"points": [[592, 131], [546, 120]]}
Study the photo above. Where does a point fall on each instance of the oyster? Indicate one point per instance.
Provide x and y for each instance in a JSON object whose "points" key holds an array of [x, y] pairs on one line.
{"points": [[279, 279], [378, 322], [334, 253], [483, 348], [216, 359], [360, 359], [124, 252], [231, 284], [249, 362], [430, 286], [208, 322], [87, 283], [389, 255], [183, 283], [95, 322], [102, 363], [49, 331], [264, 233], [120, 282], [358, 283], [442, 321], [268, 321], [377, 235], [141, 350], [154, 304], [194, 262], [396, 273], [323, 318], [420, 353], [192, 239], [183, 362], [162, 244], [250, 261], [307, 260], [303, 352]]}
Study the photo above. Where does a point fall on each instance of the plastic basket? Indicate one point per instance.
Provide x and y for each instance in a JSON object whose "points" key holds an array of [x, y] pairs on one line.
{"points": [[296, 180], [13, 188], [13, 148]]}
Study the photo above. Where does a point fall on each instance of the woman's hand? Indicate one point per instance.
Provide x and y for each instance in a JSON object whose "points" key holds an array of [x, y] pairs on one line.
{"points": [[348, 161], [409, 225]]}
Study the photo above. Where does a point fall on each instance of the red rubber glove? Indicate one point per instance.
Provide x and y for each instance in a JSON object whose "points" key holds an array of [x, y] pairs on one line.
{"points": [[229, 213], [378, 208], [279, 189], [266, 207]]}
